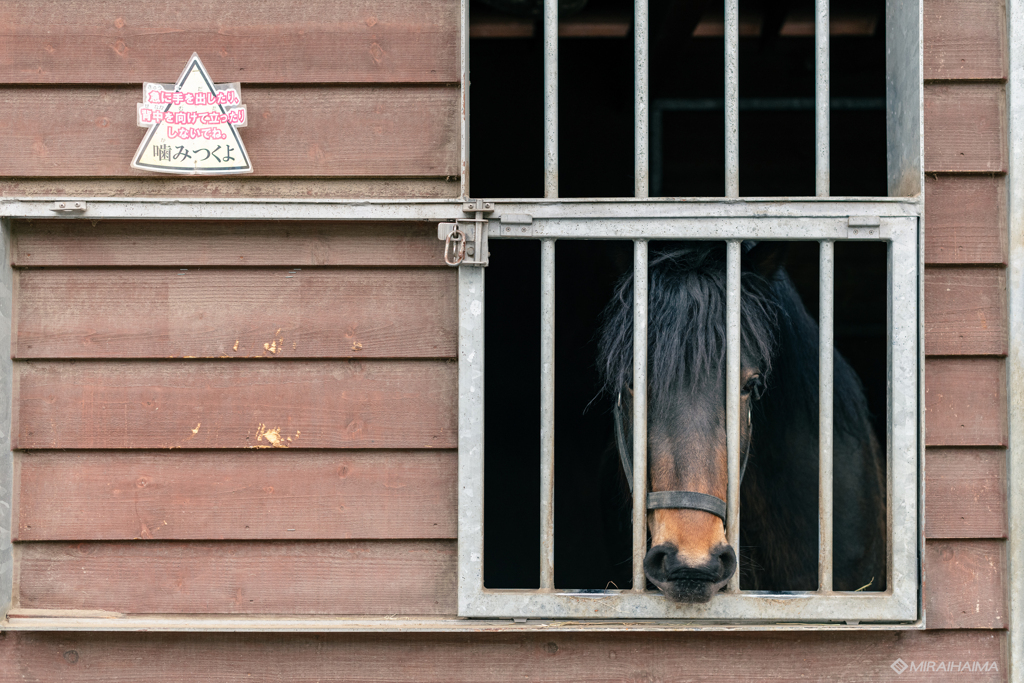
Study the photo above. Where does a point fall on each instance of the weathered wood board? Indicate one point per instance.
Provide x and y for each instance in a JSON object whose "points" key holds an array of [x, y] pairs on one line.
{"points": [[965, 493], [965, 219], [965, 311], [224, 243], [284, 577], [235, 404], [965, 584], [318, 41], [236, 313], [966, 402], [965, 128], [292, 131], [244, 495], [964, 39]]}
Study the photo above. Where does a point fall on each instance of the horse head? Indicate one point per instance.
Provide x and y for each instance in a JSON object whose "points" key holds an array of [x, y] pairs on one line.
{"points": [[690, 558]]}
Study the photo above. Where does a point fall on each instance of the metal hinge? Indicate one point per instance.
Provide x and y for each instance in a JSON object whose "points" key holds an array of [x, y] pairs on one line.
{"points": [[68, 206], [863, 227], [465, 240]]}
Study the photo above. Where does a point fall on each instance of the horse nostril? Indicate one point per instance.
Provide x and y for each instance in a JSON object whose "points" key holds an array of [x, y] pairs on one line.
{"points": [[727, 556], [657, 564]]}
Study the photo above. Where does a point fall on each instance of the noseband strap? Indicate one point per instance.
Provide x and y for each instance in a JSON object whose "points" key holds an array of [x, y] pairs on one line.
{"points": [[686, 500], [673, 500]]}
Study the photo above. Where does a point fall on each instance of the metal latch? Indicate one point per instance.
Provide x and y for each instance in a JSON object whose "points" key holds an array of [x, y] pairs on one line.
{"points": [[465, 240], [863, 227], [68, 206]]}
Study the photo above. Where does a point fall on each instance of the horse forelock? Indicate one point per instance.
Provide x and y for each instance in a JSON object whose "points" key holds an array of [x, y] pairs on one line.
{"points": [[686, 323]]}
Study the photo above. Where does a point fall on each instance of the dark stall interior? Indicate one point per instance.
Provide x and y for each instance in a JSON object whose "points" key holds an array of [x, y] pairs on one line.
{"points": [[596, 61]]}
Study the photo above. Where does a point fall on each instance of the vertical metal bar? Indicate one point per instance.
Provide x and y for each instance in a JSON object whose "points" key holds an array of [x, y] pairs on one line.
{"points": [[464, 91], [826, 265], [1015, 308], [732, 399], [547, 414], [639, 413], [550, 98], [821, 116], [640, 109], [732, 98]]}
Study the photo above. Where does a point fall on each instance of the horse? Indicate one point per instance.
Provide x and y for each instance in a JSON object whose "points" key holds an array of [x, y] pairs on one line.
{"points": [[690, 559]]}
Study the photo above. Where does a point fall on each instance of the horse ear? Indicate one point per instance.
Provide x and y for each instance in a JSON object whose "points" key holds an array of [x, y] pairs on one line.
{"points": [[765, 258]]}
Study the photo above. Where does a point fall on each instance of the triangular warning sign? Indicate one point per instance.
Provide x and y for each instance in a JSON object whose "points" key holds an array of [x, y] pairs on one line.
{"points": [[192, 125]]}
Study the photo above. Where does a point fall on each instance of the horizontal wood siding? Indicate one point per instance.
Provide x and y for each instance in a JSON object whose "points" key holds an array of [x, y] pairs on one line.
{"points": [[236, 313], [554, 657], [245, 495], [965, 219], [292, 131], [965, 128], [966, 493], [965, 584], [965, 400], [229, 404], [286, 577], [965, 39], [176, 244], [965, 312], [295, 41]]}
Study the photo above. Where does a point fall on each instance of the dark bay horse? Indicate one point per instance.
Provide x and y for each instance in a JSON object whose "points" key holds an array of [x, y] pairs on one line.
{"points": [[690, 559]]}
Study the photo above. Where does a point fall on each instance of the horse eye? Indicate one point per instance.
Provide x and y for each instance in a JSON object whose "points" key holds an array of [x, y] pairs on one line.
{"points": [[754, 387]]}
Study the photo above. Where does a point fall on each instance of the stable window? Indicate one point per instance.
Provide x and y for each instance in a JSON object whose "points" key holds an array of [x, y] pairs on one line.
{"points": [[641, 226]]}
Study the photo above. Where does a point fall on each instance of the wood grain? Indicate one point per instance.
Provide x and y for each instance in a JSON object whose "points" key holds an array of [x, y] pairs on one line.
{"points": [[244, 495], [358, 41], [965, 400], [224, 243], [498, 658], [965, 493], [964, 584], [965, 311], [285, 577], [964, 39], [292, 131], [238, 312], [233, 187], [235, 404], [965, 128], [965, 219]]}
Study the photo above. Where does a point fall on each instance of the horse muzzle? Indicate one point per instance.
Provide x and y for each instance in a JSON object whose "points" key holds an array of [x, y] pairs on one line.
{"points": [[682, 581]]}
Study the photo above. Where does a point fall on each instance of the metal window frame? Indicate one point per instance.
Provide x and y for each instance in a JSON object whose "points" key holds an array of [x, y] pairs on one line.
{"points": [[898, 221]]}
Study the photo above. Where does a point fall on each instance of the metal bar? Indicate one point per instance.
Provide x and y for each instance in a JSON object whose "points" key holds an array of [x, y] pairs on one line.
{"points": [[732, 97], [639, 414], [464, 92], [547, 414], [550, 98], [733, 286], [640, 109], [765, 104], [1015, 364], [826, 265], [821, 82]]}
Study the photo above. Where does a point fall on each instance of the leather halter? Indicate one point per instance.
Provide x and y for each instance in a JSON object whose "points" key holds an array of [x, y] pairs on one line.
{"points": [[676, 500]]}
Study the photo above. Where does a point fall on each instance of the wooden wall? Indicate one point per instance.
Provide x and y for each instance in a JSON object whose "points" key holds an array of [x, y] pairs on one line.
{"points": [[259, 418], [965, 314]]}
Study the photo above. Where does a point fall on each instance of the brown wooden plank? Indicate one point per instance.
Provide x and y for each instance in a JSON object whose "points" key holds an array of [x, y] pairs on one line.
{"points": [[965, 219], [965, 311], [235, 404], [292, 131], [358, 41], [245, 495], [237, 312], [965, 39], [232, 187], [499, 658], [225, 243], [284, 577], [965, 400], [965, 128], [965, 493], [964, 584]]}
